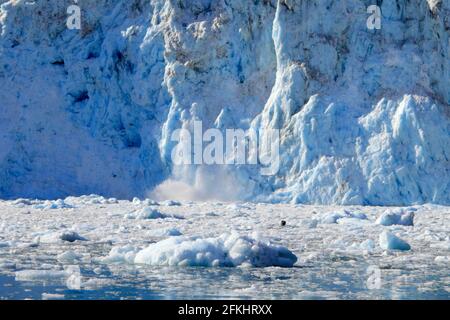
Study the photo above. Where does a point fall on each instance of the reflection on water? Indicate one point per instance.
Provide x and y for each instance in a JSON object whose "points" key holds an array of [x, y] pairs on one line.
{"points": [[345, 280]]}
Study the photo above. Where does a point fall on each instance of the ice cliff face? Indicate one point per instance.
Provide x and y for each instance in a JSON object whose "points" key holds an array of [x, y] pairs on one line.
{"points": [[364, 114]]}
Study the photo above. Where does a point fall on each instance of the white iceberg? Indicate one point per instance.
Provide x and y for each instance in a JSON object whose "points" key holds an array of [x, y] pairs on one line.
{"points": [[52, 296], [52, 205], [171, 203], [228, 250], [121, 254], [41, 275], [146, 214], [334, 217], [396, 217], [365, 246], [60, 236], [69, 257], [165, 232]]}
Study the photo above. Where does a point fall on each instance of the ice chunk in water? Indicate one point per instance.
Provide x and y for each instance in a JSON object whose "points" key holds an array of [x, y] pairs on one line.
{"points": [[41, 275], [165, 232], [69, 257], [60, 236], [147, 213], [389, 241], [121, 254], [334, 217], [397, 217], [229, 250]]}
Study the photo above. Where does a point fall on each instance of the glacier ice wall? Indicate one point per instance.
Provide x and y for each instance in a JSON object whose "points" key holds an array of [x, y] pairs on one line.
{"points": [[80, 111], [364, 114]]}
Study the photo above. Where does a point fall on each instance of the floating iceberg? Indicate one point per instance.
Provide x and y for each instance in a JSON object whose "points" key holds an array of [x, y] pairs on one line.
{"points": [[60, 236], [52, 296], [121, 254], [397, 217], [69, 257], [146, 214], [228, 250], [52, 205], [389, 241], [165, 232], [171, 203], [334, 217], [41, 275]]}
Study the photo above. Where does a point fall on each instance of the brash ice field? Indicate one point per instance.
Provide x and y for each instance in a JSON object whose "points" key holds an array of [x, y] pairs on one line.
{"points": [[91, 247]]}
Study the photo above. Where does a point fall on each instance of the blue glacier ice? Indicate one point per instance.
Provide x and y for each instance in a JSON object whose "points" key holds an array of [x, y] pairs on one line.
{"points": [[389, 241], [364, 114]]}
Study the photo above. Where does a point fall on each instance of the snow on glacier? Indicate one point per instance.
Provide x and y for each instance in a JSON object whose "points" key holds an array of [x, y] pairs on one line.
{"points": [[364, 115]]}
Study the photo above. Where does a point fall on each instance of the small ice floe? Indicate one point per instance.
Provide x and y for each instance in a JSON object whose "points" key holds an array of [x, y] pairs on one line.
{"points": [[396, 217], [96, 283], [41, 275], [429, 235], [21, 203], [71, 277], [98, 270], [7, 264], [52, 296], [165, 232], [136, 200], [445, 245], [334, 217], [228, 250], [149, 202], [74, 278], [309, 223], [121, 254], [69, 257], [366, 246], [26, 245], [238, 206], [91, 199], [442, 259], [6, 244], [171, 203], [60, 236], [389, 241], [112, 201], [211, 214], [52, 205], [147, 213], [74, 282]]}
